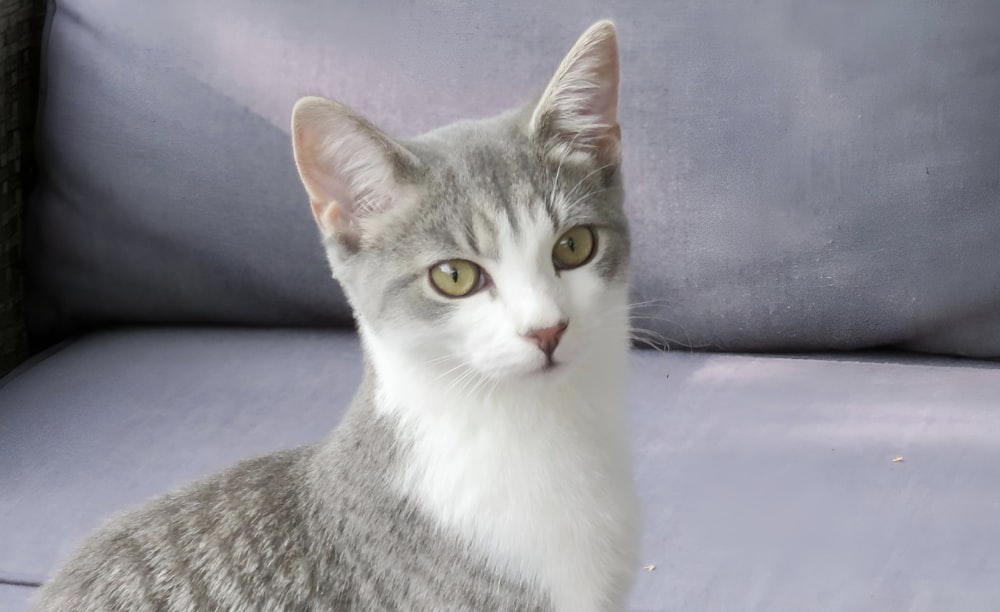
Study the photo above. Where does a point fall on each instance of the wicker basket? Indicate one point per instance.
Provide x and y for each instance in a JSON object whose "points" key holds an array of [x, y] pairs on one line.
{"points": [[20, 45]]}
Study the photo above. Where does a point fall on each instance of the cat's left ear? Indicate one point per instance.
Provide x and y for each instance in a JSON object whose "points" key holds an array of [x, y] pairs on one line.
{"points": [[578, 113]]}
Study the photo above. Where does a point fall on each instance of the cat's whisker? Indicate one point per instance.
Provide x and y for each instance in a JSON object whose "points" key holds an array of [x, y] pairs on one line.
{"points": [[459, 381], [651, 340], [480, 382], [667, 340], [585, 196], [649, 344], [467, 382], [439, 359], [683, 330], [581, 182], [654, 318], [649, 333], [590, 174], [555, 183], [646, 337], [449, 371], [647, 303], [492, 390], [563, 160]]}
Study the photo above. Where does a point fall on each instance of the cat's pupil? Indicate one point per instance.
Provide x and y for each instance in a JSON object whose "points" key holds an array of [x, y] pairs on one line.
{"points": [[454, 275], [571, 244]]}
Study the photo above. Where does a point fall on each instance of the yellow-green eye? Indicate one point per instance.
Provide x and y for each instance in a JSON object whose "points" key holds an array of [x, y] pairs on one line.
{"points": [[574, 248], [456, 277]]}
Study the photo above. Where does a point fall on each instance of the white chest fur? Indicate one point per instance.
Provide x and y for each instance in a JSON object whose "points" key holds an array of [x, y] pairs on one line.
{"points": [[538, 479]]}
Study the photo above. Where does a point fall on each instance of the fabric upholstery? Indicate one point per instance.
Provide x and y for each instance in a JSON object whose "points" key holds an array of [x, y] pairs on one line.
{"points": [[801, 175], [767, 483], [15, 598]]}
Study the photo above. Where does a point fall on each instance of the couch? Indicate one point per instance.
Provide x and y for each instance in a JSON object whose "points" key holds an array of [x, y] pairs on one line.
{"points": [[815, 200]]}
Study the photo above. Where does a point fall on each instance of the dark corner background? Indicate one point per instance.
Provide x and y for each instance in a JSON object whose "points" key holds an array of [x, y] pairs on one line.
{"points": [[20, 50]]}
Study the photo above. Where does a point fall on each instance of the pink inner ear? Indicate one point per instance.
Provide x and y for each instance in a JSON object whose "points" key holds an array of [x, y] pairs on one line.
{"points": [[316, 142], [322, 180], [602, 99], [344, 162]]}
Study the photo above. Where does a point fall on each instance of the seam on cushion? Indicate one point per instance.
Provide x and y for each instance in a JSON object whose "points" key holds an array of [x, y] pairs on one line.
{"points": [[19, 583], [37, 359]]}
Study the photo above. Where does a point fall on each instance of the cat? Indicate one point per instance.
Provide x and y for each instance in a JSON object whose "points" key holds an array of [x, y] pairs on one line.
{"points": [[484, 462]]}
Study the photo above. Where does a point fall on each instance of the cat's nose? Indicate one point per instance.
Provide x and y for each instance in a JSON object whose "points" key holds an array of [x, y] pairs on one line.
{"points": [[547, 338]]}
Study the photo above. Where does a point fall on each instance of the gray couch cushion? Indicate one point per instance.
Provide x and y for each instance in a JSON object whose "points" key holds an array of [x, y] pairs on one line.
{"points": [[14, 598], [100, 423], [801, 175], [767, 483]]}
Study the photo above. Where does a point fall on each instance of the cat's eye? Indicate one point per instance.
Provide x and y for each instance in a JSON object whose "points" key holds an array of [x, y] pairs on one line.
{"points": [[574, 248], [456, 277]]}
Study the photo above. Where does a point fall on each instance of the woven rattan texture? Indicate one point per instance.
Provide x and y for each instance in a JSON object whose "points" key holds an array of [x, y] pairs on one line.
{"points": [[20, 45]]}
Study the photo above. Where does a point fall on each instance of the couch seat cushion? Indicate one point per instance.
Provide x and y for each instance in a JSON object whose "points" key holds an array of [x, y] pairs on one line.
{"points": [[768, 483]]}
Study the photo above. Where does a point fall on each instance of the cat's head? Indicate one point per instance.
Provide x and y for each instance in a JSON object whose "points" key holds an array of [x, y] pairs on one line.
{"points": [[486, 250]]}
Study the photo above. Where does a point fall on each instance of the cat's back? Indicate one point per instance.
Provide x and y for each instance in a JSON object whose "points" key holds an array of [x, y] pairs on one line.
{"points": [[235, 541]]}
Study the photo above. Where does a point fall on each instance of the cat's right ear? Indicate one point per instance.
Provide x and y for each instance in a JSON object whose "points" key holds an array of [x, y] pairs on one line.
{"points": [[350, 169]]}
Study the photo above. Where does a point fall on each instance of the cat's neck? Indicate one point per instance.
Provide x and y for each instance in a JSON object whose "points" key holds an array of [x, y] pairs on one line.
{"points": [[504, 466]]}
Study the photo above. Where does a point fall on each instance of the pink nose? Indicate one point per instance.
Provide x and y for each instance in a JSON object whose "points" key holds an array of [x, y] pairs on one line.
{"points": [[547, 338]]}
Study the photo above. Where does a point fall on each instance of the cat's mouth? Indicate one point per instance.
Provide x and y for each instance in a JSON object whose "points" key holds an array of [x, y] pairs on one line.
{"points": [[550, 367]]}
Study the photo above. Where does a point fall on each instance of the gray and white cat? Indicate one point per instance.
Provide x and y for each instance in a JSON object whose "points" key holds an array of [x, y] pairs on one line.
{"points": [[484, 463]]}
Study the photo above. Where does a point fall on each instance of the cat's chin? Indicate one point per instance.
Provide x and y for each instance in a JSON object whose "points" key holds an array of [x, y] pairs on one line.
{"points": [[543, 374], [552, 372]]}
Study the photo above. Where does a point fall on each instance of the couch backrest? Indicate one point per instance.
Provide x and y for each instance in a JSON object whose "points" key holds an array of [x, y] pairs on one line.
{"points": [[801, 174]]}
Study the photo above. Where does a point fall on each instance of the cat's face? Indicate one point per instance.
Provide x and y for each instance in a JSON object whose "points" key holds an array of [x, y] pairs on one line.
{"points": [[487, 250], [506, 263]]}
